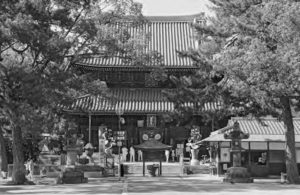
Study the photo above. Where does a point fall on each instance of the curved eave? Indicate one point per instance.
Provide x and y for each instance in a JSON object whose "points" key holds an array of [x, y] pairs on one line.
{"points": [[83, 112], [133, 68]]}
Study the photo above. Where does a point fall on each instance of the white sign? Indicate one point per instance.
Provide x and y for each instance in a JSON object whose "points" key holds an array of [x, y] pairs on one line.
{"points": [[225, 154]]}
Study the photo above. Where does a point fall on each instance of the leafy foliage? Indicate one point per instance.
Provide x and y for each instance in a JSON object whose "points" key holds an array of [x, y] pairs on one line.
{"points": [[249, 61], [38, 42]]}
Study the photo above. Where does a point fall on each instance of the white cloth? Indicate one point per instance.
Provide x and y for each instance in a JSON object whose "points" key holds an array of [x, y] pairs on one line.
{"points": [[124, 154], [167, 153], [30, 167], [140, 155], [132, 154], [173, 155]]}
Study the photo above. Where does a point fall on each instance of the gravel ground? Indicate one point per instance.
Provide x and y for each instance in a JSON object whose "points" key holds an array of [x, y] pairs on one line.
{"points": [[201, 184]]}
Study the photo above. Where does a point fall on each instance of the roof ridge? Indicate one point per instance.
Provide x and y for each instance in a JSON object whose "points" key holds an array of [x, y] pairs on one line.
{"points": [[135, 88], [263, 118], [176, 18]]}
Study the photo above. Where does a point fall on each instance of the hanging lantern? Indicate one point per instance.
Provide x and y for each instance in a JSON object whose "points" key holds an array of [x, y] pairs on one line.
{"points": [[122, 120]]}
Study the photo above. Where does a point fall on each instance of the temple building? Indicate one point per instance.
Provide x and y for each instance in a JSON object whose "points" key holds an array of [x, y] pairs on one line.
{"points": [[138, 107]]}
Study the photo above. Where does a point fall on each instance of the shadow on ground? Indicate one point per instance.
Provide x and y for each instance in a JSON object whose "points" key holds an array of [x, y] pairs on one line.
{"points": [[157, 185], [93, 187], [202, 186]]}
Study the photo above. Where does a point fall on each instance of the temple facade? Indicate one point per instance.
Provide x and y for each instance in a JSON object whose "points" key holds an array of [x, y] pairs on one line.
{"points": [[137, 107]]}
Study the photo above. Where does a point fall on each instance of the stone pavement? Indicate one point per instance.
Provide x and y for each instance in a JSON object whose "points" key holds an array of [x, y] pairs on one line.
{"points": [[206, 184], [201, 184], [111, 186]]}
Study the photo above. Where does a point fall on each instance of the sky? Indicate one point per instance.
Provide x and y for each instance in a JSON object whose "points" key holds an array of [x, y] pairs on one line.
{"points": [[174, 7]]}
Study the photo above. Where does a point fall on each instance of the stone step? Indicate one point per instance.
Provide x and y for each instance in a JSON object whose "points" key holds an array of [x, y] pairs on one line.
{"points": [[167, 169], [196, 169]]}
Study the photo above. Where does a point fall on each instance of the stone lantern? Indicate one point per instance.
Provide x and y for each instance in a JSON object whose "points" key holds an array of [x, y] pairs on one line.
{"points": [[237, 173]]}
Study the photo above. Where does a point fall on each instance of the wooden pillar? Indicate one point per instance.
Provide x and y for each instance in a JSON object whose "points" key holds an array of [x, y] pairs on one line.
{"points": [[143, 164], [218, 158], [160, 167], [90, 128], [212, 123], [268, 155], [249, 155]]}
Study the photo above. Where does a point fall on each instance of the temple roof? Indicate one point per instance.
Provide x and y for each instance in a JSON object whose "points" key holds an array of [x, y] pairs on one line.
{"points": [[166, 34], [268, 129], [174, 18], [132, 100], [152, 145]]}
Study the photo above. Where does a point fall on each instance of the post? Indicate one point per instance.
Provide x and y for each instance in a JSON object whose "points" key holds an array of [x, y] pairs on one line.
{"points": [[102, 139], [90, 128], [249, 155], [143, 165], [119, 111], [119, 122], [119, 143], [119, 147], [218, 156]]}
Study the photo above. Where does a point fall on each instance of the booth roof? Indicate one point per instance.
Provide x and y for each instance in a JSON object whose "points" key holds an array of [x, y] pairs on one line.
{"points": [[152, 145], [267, 129]]}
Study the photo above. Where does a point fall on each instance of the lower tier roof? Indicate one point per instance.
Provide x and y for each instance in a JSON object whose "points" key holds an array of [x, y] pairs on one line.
{"points": [[141, 100]]}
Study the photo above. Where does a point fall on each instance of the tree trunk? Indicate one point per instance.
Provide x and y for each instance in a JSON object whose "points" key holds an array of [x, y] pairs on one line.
{"points": [[3, 154], [18, 174], [290, 151]]}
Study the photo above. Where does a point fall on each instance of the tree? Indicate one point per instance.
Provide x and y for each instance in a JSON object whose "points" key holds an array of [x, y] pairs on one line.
{"points": [[3, 152], [38, 41], [250, 58]]}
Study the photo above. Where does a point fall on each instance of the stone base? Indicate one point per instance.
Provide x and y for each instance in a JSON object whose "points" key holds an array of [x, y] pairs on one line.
{"points": [[238, 180], [72, 176], [237, 175], [195, 162], [93, 174]]}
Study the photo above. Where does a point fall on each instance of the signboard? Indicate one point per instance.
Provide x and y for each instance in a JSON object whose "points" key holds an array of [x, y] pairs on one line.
{"points": [[225, 154], [151, 120]]}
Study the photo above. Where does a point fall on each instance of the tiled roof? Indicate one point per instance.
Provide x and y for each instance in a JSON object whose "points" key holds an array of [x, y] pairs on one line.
{"points": [[168, 34], [182, 18], [269, 129], [140, 100]]}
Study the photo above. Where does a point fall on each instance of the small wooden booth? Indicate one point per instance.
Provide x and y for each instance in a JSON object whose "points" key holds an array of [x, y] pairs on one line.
{"points": [[263, 153]]}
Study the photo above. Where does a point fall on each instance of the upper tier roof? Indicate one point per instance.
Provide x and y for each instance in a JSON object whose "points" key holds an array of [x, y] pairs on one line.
{"points": [[166, 35], [182, 18]]}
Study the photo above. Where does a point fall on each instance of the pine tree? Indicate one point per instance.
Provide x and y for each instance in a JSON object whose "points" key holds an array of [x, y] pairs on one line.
{"points": [[3, 155], [250, 60], [38, 41]]}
